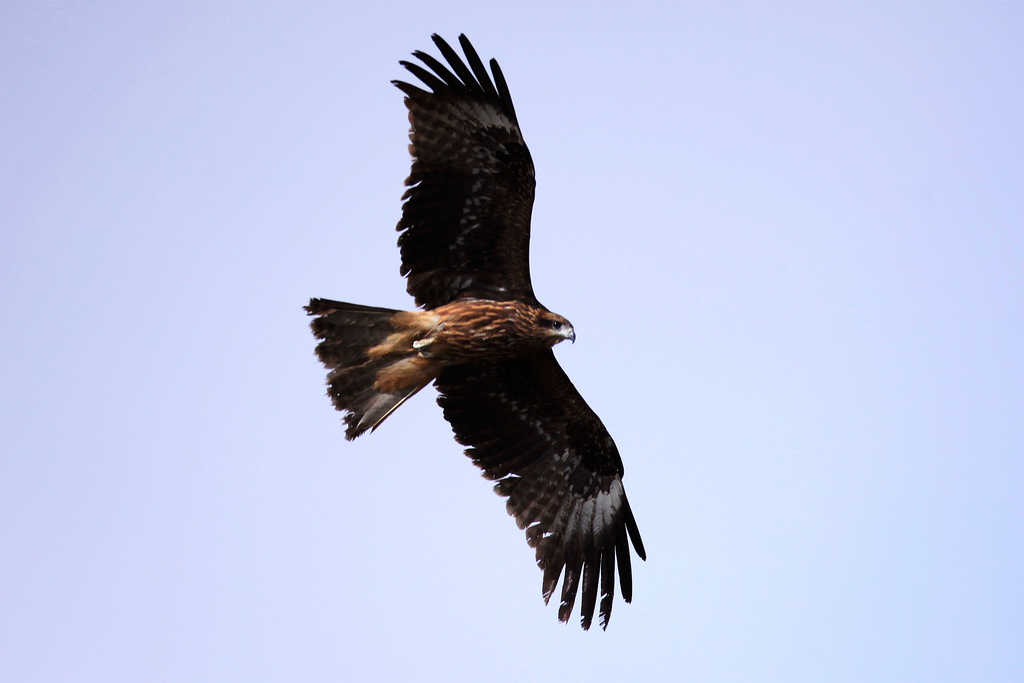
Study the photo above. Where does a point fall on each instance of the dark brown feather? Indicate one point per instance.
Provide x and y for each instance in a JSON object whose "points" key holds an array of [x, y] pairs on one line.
{"points": [[528, 428], [346, 332], [466, 218]]}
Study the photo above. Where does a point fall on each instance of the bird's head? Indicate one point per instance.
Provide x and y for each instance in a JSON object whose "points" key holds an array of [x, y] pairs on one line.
{"points": [[556, 328]]}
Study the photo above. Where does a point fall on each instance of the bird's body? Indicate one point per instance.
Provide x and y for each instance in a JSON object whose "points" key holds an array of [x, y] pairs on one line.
{"points": [[483, 338], [466, 330], [410, 349]]}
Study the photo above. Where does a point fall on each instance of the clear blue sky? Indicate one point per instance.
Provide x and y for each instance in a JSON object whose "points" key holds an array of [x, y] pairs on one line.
{"points": [[791, 241]]}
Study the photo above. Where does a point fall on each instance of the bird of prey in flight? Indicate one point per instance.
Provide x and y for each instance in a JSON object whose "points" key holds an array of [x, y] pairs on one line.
{"points": [[482, 337]]}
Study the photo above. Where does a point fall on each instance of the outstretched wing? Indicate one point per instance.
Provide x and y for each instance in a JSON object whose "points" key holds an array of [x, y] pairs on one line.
{"points": [[528, 428], [466, 218]]}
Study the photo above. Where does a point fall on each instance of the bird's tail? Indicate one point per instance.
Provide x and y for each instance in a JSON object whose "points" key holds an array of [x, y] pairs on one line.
{"points": [[373, 367]]}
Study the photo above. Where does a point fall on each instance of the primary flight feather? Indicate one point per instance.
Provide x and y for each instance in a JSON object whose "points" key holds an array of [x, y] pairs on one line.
{"points": [[482, 337]]}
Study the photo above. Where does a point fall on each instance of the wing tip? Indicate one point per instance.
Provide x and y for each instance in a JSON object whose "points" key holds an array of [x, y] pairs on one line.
{"points": [[472, 79]]}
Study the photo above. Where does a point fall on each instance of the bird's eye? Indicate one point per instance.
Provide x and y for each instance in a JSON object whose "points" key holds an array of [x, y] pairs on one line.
{"points": [[556, 324]]}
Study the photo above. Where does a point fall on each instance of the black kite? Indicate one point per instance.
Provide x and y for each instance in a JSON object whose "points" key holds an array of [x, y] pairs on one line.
{"points": [[483, 339]]}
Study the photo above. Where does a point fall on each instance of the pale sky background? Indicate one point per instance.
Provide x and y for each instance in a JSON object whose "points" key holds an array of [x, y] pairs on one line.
{"points": [[790, 238]]}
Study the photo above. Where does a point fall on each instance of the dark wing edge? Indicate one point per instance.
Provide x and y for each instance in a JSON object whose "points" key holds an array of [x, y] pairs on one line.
{"points": [[527, 427], [466, 217]]}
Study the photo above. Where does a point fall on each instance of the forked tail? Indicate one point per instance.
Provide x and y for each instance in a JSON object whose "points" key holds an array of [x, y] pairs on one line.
{"points": [[358, 346]]}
